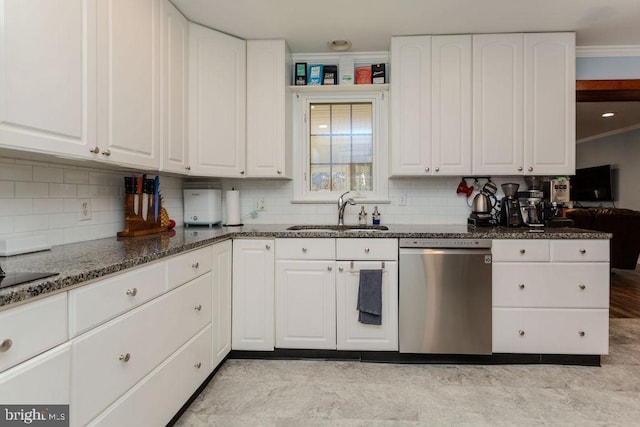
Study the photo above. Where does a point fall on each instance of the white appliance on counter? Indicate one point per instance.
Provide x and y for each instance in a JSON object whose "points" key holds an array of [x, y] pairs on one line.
{"points": [[202, 206]]}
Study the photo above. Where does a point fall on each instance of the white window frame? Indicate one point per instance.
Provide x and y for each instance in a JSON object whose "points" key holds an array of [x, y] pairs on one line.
{"points": [[301, 145]]}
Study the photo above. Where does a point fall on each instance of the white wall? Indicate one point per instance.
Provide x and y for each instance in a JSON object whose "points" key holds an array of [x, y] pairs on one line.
{"points": [[44, 198], [622, 151]]}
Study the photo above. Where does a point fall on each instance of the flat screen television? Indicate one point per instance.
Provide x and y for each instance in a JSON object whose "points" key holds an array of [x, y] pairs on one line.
{"points": [[592, 184]]}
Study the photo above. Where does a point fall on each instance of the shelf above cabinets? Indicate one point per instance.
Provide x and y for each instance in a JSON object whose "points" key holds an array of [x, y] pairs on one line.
{"points": [[339, 88]]}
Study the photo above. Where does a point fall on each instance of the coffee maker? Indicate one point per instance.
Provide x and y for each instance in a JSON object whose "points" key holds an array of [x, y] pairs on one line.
{"points": [[532, 202], [510, 212]]}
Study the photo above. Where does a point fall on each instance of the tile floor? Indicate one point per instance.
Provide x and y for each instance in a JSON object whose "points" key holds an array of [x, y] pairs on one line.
{"points": [[333, 393]]}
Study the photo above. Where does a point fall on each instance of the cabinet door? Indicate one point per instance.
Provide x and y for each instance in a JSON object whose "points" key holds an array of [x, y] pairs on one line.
{"points": [[47, 82], [128, 82], [498, 104], [217, 116], [268, 109], [411, 105], [174, 89], [41, 380], [221, 330], [353, 335], [549, 103], [253, 294], [451, 104], [305, 304]]}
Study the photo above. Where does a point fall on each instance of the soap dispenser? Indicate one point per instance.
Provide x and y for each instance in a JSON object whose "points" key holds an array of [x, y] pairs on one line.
{"points": [[362, 216], [375, 216]]}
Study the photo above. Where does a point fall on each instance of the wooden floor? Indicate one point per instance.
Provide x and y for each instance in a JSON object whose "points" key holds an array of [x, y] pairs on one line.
{"points": [[625, 293]]}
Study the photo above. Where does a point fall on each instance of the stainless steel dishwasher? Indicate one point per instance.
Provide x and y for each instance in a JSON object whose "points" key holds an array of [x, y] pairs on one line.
{"points": [[445, 296]]}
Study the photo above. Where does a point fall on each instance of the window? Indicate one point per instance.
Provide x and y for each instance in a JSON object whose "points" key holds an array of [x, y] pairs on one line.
{"points": [[338, 138]]}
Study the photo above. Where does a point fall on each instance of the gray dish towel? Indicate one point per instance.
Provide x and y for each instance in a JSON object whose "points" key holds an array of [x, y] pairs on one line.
{"points": [[370, 297]]}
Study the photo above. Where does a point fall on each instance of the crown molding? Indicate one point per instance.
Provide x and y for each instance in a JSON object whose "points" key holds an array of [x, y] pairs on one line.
{"points": [[607, 51]]}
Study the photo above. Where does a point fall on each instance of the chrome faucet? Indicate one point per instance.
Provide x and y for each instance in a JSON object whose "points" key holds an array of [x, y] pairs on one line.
{"points": [[343, 204]]}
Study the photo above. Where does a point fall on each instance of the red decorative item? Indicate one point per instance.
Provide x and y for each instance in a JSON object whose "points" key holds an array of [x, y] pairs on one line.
{"points": [[463, 188], [172, 224]]}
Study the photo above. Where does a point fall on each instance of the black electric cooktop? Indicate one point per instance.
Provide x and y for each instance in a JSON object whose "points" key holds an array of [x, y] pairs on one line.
{"points": [[11, 279]]}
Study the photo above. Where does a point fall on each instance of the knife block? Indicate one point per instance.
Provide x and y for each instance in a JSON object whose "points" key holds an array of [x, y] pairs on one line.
{"points": [[135, 224]]}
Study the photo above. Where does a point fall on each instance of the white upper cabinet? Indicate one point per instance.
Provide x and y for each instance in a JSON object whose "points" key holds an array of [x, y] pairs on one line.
{"points": [[431, 105], [524, 104], [549, 103], [411, 105], [47, 76], [128, 82], [174, 89], [269, 125], [217, 103]]}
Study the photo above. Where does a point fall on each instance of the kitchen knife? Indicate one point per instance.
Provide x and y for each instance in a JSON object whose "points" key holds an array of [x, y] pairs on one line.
{"points": [[145, 197], [156, 197]]}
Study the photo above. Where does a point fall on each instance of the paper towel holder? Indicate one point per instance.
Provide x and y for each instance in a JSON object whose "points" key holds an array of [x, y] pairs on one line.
{"points": [[232, 202]]}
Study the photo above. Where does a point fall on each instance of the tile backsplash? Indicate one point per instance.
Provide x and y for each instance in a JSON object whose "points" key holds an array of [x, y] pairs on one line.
{"points": [[46, 198]]}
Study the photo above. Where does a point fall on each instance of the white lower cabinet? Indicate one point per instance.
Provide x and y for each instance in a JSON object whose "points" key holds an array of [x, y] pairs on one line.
{"points": [[353, 335], [161, 394], [41, 380], [551, 296], [316, 296], [305, 304], [110, 359], [253, 295], [221, 305]]}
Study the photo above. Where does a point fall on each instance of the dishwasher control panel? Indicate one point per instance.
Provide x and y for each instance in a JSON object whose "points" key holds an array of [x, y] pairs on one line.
{"points": [[444, 243]]}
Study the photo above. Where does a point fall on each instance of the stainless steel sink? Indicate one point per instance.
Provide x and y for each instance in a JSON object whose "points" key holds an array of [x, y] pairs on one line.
{"points": [[336, 228]]}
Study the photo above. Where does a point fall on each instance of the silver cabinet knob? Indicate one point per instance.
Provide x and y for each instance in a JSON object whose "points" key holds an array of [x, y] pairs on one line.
{"points": [[521, 332], [198, 307], [340, 269], [582, 286], [241, 172], [198, 365], [132, 292], [329, 268], [196, 265], [581, 333], [279, 172], [106, 153], [94, 150], [366, 250], [437, 169], [521, 285], [125, 357], [6, 345], [519, 168], [530, 169], [267, 247], [188, 168], [523, 251], [304, 250], [427, 169], [583, 251]]}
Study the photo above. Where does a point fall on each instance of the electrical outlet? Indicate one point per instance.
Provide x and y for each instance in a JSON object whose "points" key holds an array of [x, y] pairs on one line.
{"points": [[85, 209], [260, 204]]}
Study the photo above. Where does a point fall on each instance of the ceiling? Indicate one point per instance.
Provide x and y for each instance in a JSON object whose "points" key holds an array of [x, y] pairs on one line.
{"points": [[369, 24], [590, 124]]}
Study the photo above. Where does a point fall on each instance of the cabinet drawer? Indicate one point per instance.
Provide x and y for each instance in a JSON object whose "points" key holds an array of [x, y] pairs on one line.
{"points": [[94, 304], [367, 249], [185, 267], [31, 329], [579, 250], [520, 250], [159, 396], [551, 285], [43, 380], [102, 371], [314, 249], [551, 331]]}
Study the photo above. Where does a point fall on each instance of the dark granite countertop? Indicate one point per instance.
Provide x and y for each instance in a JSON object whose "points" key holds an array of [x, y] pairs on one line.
{"points": [[80, 263]]}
